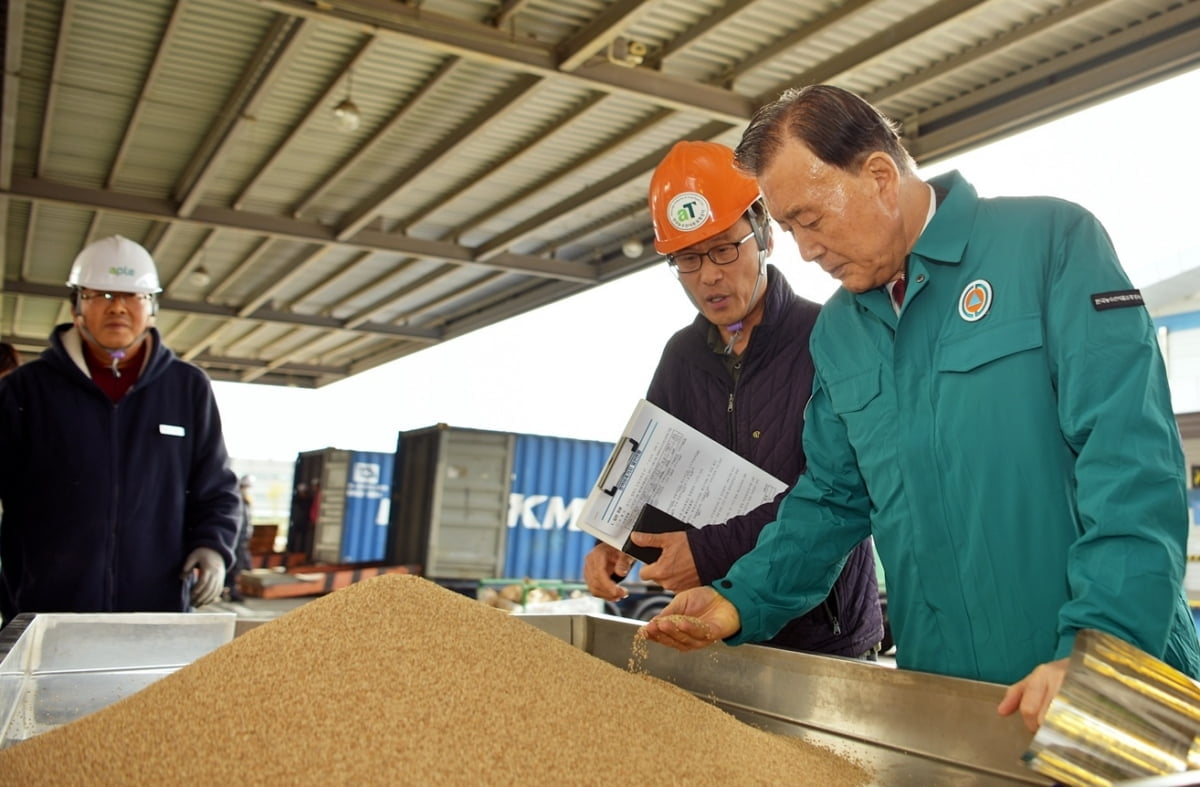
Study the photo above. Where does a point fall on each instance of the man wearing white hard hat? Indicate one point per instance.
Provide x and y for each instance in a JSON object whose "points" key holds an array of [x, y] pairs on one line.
{"points": [[115, 483]]}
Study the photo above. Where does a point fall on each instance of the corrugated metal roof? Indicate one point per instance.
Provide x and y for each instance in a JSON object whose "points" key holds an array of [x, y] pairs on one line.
{"points": [[502, 152]]}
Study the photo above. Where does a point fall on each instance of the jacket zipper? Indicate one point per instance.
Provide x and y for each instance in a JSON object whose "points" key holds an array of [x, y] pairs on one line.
{"points": [[113, 517], [732, 421], [831, 610]]}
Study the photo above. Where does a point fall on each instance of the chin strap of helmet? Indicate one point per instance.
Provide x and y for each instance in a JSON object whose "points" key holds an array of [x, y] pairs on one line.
{"points": [[760, 238], [116, 355]]}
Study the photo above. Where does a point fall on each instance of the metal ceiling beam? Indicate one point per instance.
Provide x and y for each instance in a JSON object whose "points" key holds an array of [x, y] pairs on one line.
{"points": [[14, 39], [496, 110], [706, 25], [10, 103], [599, 33], [614, 181], [158, 237], [254, 331], [507, 10], [287, 357], [191, 263], [319, 105], [1010, 38], [252, 363], [639, 213], [28, 258], [1161, 46], [422, 335], [876, 46], [381, 282], [282, 42], [390, 301], [406, 106], [205, 342], [166, 38], [248, 262], [41, 190], [669, 91], [495, 48], [302, 380], [545, 137], [432, 305], [342, 273], [286, 338], [349, 347], [798, 38], [60, 56], [300, 266], [507, 306], [503, 307], [592, 155], [170, 337]]}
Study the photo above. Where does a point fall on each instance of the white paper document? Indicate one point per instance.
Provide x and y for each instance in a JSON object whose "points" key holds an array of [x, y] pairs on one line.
{"points": [[662, 461]]}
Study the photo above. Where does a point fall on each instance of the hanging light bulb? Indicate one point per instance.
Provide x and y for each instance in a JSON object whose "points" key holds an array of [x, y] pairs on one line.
{"points": [[345, 114], [200, 277]]}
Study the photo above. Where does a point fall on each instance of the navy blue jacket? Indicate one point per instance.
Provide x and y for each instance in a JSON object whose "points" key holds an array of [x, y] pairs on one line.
{"points": [[762, 419], [102, 502]]}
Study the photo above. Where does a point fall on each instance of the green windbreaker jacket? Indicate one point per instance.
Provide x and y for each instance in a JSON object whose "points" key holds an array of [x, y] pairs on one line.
{"points": [[1009, 441]]}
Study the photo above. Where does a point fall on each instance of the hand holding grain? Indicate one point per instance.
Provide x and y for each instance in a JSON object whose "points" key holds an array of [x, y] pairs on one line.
{"points": [[695, 619]]}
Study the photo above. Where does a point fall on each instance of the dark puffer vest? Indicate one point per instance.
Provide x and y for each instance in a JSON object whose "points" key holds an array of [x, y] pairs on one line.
{"points": [[762, 419]]}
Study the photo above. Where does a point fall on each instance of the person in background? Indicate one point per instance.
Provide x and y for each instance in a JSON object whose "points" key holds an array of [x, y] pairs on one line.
{"points": [[301, 503], [9, 358], [115, 483], [741, 373], [990, 402], [241, 550]]}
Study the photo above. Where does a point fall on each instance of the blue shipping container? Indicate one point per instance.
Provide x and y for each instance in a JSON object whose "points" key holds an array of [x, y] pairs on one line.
{"points": [[552, 477], [368, 505]]}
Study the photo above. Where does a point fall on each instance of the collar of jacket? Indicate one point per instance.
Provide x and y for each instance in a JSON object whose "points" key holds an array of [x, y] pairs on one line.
{"points": [[945, 239]]}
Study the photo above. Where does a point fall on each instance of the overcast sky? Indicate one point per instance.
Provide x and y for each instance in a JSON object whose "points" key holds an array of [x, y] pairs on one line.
{"points": [[577, 367]]}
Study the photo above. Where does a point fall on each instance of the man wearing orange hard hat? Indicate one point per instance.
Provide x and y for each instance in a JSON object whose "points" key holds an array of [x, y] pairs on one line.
{"points": [[740, 373]]}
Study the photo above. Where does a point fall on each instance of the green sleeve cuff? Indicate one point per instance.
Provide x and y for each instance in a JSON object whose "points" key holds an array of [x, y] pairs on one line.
{"points": [[747, 605], [1066, 644]]}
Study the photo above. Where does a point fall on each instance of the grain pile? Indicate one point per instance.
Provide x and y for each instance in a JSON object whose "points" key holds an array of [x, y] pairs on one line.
{"points": [[399, 681]]}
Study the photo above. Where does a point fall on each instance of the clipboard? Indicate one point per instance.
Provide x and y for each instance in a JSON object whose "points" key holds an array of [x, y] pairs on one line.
{"points": [[663, 476], [623, 456]]}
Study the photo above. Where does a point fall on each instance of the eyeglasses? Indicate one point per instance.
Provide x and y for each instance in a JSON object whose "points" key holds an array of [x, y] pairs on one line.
{"points": [[124, 297], [720, 255]]}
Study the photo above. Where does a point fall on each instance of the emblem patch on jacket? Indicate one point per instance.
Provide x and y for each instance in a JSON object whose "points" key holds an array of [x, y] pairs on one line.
{"points": [[1117, 299], [975, 300]]}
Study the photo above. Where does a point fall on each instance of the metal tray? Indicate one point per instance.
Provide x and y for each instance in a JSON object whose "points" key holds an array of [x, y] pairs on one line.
{"points": [[55, 668], [908, 728]]}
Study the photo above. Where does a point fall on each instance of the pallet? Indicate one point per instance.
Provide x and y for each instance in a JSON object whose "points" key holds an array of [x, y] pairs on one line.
{"points": [[313, 580]]}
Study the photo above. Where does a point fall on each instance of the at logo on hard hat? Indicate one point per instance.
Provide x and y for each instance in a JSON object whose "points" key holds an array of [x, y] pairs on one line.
{"points": [[687, 211], [975, 300], [121, 270]]}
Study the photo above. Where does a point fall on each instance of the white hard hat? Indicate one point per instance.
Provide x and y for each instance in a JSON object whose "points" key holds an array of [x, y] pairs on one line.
{"points": [[114, 264]]}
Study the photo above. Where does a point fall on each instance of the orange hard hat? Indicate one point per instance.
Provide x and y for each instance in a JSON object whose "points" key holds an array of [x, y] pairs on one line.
{"points": [[696, 193]]}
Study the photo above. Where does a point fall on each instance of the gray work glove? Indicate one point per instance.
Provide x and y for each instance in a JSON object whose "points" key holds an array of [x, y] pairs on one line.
{"points": [[211, 566]]}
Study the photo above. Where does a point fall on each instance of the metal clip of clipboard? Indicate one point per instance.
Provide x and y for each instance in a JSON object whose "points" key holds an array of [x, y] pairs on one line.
{"points": [[627, 449]]}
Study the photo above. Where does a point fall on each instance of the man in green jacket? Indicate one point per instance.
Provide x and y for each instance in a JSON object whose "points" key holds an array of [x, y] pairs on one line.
{"points": [[990, 403]]}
